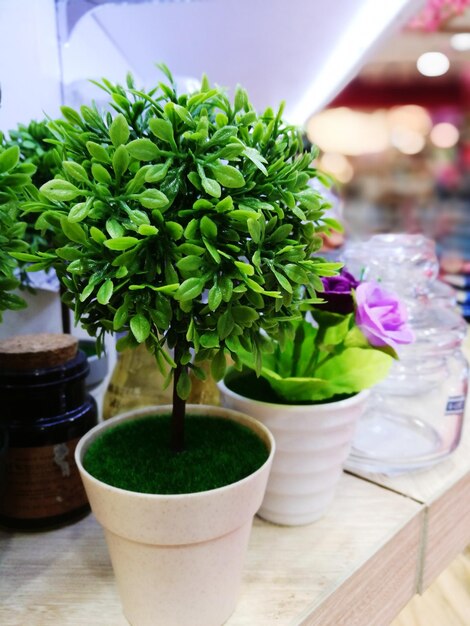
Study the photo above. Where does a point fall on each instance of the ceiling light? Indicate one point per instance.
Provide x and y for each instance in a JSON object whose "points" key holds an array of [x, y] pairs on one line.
{"points": [[444, 135], [460, 41], [349, 132], [337, 165], [411, 117], [433, 64], [408, 141]]}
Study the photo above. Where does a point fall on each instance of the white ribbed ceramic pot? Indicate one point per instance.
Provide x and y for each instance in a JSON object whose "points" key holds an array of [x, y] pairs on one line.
{"points": [[312, 444], [178, 559]]}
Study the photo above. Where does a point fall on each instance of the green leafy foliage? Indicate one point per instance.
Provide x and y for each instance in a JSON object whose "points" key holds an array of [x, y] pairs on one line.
{"points": [[183, 220], [14, 178], [38, 161], [331, 358]]}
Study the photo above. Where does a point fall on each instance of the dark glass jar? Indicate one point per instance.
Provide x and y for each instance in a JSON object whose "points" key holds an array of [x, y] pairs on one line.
{"points": [[44, 412]]}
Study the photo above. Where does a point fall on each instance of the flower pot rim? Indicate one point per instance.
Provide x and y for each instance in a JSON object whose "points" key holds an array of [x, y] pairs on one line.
{"points": [[319, 406], [201, 409]]}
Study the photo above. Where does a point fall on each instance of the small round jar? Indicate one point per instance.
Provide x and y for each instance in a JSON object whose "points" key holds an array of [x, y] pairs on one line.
{"points": [[45, 411], [414, 416]]}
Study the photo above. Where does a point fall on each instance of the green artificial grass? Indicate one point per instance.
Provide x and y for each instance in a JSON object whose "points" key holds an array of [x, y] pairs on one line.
{"points": [[136, 455]]}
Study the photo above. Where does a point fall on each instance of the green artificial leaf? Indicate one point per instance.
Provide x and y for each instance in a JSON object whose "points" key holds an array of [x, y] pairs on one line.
{"points": [[120, 317], [120, 160], [162, 129], [121, 243], [140, 327], [209, 340], [67, 253], [101, 174], [245, 268], [280, 234], [190, 289], [225, 324], [221, 120], [119, 130], [212, 250], [143, 150], [218, 365], [244, 315], [228, 176], [97, 235], [147, 230], [222, 136], [153, 199], [211, 187], [98, 152], [156, 173], [231, 151], [241, 99], [86, 293], [208, 227], [226, 288], [189, 263], [73, 231], [105, 292], [79, 211], [174, 229], [254, 229], [184, 114], [59, 190], [256, 158], [215, 298], [121, 272], [355, 369], [114, 228], [71, 115], [191, 248], [9, 158], [183, 386], [25, 256], [75, 171], [334, 326], [224, 205], [308, 198], [296, 274]]}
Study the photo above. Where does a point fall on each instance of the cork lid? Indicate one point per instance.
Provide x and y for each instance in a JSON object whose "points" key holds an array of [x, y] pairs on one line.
{"points": [[41, 350]]}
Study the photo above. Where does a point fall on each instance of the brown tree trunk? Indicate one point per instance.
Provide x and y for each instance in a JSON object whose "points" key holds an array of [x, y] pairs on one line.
{"points": [[179, 410]]}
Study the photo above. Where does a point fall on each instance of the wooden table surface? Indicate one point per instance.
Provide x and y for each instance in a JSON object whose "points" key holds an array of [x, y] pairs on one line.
{"points": [[382, 540], [64, 576]]}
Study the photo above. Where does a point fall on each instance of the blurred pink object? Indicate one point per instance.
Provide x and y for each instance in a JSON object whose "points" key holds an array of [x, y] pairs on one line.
{"points": [[436, 12]]}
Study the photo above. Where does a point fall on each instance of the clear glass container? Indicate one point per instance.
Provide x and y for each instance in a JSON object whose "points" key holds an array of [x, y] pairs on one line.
{"points": [[137, 382], [414, 417]]}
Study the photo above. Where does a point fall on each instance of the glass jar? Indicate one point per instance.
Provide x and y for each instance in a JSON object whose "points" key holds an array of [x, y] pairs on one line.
{"points": [[137, 382], [414, 417], [45, 411]]}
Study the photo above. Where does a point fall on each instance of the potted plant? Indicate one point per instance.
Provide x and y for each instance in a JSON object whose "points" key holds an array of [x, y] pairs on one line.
{"points": [[312, 391], [36, 154], [187, 223], [14, 177]]}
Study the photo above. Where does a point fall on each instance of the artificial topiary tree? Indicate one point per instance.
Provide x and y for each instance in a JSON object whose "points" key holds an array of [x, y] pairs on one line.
{"points": [[15, 177], [33, 141], [187, 221]]}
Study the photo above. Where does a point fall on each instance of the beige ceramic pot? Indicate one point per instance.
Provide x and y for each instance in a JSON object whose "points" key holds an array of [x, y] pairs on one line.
{"points": [[178, 559], [312, 444]]}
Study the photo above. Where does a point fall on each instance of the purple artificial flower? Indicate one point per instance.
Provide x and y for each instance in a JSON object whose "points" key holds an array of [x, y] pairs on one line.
{"points": [[338, 293], [381, 316]]}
